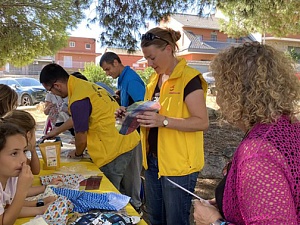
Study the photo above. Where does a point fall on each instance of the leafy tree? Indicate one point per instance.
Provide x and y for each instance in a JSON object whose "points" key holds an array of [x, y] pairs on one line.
{"points": [[277, 17], [145, 74], [122, 20], [95, 73], [32, 28], [293, 54]]}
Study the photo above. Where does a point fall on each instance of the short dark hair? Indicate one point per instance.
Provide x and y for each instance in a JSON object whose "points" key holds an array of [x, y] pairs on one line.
{"points": [[7, 130], [53, 72], [79, 75], [109, 57]]}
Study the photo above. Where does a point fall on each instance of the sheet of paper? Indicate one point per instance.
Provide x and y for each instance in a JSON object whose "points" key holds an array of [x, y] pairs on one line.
{"points": [[36, 221]]}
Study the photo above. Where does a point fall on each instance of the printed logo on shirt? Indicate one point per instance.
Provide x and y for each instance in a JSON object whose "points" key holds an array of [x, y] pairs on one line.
{"points": [[172, 88]]}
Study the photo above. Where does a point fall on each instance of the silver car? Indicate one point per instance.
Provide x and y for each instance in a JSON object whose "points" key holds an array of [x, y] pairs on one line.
{"points": [[29, 90]]}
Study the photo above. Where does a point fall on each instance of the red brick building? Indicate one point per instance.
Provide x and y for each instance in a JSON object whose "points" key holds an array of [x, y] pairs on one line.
{"points": [[283, 43], [78, 52], [73, 57], [128, 59], [201, 38], [200, 41]]}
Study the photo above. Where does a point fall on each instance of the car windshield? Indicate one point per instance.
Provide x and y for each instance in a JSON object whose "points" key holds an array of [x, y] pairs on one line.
{"points": [[28, 82]]}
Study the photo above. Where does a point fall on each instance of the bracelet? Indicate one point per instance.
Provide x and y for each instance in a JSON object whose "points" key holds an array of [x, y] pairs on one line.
{"points": [[78, 155], [40, 202]]}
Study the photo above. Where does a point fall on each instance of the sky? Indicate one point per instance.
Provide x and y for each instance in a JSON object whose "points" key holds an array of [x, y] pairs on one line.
{"points": [[93, 31]]}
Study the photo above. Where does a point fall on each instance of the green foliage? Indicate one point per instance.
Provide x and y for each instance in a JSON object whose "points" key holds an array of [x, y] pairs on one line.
{"points": [[33, 28], [145, 74], [122, 20], [294, 55], [276, 17], [95, 73]]}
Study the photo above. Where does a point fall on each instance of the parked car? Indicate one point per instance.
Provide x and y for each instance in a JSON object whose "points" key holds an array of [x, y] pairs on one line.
{"points": [[210, 81], [29, 90]]}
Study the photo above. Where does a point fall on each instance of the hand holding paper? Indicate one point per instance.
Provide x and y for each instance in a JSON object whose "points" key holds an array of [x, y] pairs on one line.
{"points": [[128, 123]]}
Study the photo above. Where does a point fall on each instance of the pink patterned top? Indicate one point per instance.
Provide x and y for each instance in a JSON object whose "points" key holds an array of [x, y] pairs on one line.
{"points": [[263, 183]]}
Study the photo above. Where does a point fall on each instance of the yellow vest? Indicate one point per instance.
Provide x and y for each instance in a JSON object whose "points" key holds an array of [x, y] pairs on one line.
{"points": [[104, 143], [179, 153]]}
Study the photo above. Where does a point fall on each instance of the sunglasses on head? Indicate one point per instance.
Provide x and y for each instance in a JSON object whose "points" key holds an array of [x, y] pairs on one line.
{"points": [[251, 44], [151, 37]]}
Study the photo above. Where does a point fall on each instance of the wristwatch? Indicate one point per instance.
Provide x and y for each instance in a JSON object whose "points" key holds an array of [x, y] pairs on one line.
{"points": [[220, 222], [165, 122], [40, 202]]}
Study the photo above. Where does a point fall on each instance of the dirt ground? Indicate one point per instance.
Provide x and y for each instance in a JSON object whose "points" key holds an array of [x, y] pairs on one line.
{"points": [[217, 137]]}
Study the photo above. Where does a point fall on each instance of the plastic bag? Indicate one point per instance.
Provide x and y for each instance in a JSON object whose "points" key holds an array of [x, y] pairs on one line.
{"points": [[128, 123]]}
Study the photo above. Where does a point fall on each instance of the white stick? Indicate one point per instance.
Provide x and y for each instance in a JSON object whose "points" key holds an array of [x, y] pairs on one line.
{"points": [[191, 193]]}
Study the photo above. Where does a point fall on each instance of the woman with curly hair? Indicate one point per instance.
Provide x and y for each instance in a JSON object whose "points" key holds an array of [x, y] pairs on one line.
{"points": [[258, 92]]}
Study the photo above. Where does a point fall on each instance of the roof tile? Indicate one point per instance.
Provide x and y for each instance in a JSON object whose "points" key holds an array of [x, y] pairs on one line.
{"points": [[188, 20]]}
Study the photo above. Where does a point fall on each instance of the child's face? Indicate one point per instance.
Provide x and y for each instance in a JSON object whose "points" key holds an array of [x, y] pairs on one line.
{"points": [[12, 156]]}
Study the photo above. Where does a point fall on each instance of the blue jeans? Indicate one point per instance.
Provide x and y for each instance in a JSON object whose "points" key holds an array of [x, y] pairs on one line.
{"points": [[167, 204]]}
